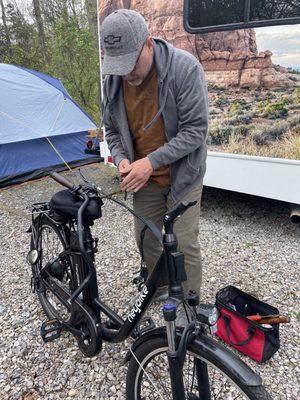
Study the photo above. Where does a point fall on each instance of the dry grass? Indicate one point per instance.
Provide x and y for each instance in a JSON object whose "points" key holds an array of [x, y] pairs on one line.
{"points": [[288, 147]]}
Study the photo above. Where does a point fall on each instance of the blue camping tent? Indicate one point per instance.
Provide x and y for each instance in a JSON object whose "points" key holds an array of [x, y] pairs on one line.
{"points": [[38, 120]]}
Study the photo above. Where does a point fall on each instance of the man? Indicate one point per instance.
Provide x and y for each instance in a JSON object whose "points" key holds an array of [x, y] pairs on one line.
{"points": [[155, 114]]}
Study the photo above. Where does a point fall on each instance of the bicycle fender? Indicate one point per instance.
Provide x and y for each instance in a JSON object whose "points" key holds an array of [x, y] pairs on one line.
{"points": [[213, 350], [160, 331], [220, 353]]}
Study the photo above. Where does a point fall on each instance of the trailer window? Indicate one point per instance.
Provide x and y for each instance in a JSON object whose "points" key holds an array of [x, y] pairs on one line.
{"points": [[202, 16], [274, 9]]}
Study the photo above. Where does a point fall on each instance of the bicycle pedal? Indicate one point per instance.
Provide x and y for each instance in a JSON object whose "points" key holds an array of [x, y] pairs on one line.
{"points": [[51, 330], [145, 325]]}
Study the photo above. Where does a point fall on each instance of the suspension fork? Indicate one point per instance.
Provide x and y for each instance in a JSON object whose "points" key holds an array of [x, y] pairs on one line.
{"points": [[176, 354]]}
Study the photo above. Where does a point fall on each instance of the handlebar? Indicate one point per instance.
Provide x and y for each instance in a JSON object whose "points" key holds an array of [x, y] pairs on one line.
{"points": [[169, 217], [62, 180]]}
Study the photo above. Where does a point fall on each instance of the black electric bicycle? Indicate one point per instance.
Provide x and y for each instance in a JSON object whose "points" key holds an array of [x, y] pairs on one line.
{"points": [[166, 362]]}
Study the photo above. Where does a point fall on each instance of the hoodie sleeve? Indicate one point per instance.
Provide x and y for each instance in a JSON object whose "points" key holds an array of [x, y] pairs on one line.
{"points": [[114, 143], [192, 111], [112, 135]]}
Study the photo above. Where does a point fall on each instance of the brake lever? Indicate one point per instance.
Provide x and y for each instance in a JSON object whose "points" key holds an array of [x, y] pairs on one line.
{"points": [[82, 176]]}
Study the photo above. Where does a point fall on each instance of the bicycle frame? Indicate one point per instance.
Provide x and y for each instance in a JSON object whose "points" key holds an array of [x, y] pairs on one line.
{"points": [[121, 328]]}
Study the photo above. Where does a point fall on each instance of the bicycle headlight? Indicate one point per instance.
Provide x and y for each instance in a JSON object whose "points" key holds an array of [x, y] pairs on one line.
{"points": [[33, 257]]}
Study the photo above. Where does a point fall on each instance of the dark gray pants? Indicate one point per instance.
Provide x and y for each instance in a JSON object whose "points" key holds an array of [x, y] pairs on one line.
{"points": [[152, 202]]}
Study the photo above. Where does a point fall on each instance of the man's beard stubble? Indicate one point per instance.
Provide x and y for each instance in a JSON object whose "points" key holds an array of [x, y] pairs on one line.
{"points": [[139, 81]]}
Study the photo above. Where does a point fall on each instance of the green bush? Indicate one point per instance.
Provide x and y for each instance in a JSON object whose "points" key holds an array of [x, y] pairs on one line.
{"points": [[261, 105], [244, 119], [222, 101], [241, 130], [287, 100], [236, 108], [220, 134], [276, 110]]}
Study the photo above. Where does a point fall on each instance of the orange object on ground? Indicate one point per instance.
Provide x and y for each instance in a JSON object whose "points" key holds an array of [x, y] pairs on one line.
{"points": [[268, 319]]}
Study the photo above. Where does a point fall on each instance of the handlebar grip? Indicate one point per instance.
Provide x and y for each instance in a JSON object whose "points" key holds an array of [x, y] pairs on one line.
{"points": [[62, 180]]}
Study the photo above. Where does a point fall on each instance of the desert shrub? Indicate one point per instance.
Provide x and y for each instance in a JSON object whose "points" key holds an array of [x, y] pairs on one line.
{"points": [[269, 134], [257, 97], [296, 95], [286, 100], [276, 110], [219, 134], [295, 125], [271, 95], [244, 119], [241, 130], [261, 105], [222, 101], [236, 108]]}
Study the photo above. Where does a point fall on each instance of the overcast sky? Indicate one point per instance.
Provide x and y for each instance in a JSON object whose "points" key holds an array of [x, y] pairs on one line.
{"points": [[283, 41]]}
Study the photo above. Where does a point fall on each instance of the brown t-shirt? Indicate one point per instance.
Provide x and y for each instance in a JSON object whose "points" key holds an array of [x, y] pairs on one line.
{"points": [[141, 104]]}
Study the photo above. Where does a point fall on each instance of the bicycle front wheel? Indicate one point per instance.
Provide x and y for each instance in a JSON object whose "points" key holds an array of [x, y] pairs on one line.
{"points": [[148, 376]]}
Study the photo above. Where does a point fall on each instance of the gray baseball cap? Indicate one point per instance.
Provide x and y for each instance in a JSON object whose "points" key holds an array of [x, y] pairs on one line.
{"points": [[123, 34]]}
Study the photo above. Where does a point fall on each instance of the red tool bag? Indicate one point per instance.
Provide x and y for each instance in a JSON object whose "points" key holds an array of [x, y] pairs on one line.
{"points": [[252, 339]]}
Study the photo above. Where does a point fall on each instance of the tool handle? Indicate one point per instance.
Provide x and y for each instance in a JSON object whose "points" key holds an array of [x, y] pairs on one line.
{"points": [[275, 320], [255, 317], [268, 319]]}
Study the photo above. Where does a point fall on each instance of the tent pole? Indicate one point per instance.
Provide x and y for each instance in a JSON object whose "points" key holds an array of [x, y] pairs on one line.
{"points": [[105, 155]]}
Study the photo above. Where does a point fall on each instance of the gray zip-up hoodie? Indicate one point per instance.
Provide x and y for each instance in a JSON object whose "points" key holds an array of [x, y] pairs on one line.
{"points": [[184, 108]]}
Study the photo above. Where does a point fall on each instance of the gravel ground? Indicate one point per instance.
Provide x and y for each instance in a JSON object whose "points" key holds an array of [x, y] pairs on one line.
{"points": [[246, 241]]}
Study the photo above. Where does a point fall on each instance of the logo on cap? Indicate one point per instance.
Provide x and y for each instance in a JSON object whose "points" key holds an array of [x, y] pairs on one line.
{"points": [[112, 39]]}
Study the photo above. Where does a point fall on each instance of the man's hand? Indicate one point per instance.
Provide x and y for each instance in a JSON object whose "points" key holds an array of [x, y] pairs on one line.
{"points": [[124, 167], [137, 174]]}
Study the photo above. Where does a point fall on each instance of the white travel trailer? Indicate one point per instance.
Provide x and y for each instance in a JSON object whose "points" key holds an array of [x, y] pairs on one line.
{"points": [[274, 178]]}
